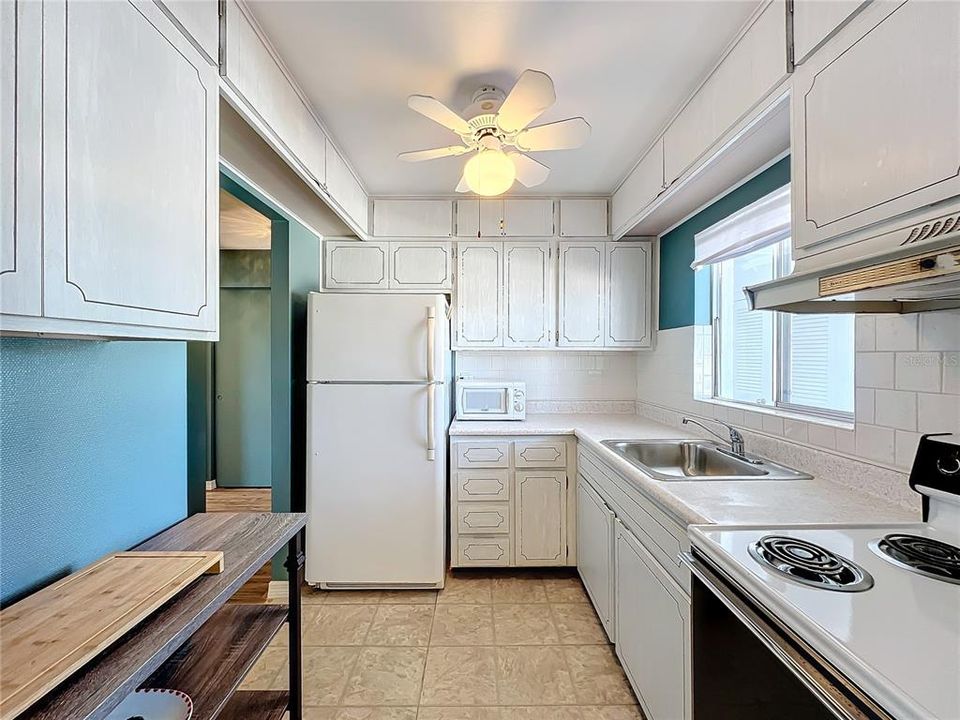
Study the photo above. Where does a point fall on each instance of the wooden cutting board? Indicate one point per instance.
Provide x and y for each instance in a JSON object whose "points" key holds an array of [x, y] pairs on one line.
{"points": [[49, 635]]}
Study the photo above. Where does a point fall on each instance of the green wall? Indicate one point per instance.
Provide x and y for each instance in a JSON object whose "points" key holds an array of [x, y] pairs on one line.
{"points": [[677, 279]]}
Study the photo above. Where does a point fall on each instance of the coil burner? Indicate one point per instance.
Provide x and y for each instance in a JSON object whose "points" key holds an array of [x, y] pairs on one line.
{"points": [[924, 556], [810, 564]]}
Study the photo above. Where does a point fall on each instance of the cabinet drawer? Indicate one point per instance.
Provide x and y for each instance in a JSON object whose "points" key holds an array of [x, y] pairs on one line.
{"points": [[483, 551], [483, 455], [540, 453], [483, 485], [484, 519]]}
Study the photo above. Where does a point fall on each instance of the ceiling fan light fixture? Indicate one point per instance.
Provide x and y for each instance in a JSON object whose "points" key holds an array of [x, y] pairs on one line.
{"points": [[489, 173]]}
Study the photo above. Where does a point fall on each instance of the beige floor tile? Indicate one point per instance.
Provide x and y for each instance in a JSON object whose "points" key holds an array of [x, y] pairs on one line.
{"points": [[409, 597], [524, 625], [612, 712], [533, 676], [459, 713], [360, 713], [325, 673], [518, 590], [401, 625], [353, 597], [386, 676], [597, 676], [462, 625], [565, 590], [311, 596], [282, 638], [542, 712], [469, 589], [337, 624], [263, 675], [459, 676], [578, 624]]}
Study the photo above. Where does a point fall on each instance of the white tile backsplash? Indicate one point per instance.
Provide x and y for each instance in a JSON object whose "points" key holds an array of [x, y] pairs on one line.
{"points": [[896, 332], [895, 409], [919, 371], [875, 369], [937, 412]]}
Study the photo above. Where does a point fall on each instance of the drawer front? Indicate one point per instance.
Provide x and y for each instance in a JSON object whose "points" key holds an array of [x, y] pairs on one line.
{"points": [[483, 485], [483, 455], [484, 519], [483, 551], [550, 453]]}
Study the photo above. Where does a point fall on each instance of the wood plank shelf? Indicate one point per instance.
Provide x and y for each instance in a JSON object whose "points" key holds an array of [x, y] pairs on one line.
{"points": [[256, 705], [248, 540], [210, 665]]}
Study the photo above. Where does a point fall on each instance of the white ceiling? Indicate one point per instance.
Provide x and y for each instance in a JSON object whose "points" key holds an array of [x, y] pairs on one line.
{"points": [[624, 66]]}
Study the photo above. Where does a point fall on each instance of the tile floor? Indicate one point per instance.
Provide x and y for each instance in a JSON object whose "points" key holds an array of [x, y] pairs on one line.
{"points": [[489, 646]]}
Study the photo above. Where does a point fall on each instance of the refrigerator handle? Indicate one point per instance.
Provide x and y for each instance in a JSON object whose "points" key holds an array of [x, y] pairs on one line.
{"points": [[431, 420]]}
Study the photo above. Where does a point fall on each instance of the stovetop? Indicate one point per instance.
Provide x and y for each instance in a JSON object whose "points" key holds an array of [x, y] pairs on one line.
{"points": [[893, 631]]}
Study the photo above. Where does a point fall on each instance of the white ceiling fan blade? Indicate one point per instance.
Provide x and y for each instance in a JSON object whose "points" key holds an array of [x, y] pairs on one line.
{"points": [[438, 112], [462, 186], [530, 173], [420, 155], [532, 94], [562, 135]]}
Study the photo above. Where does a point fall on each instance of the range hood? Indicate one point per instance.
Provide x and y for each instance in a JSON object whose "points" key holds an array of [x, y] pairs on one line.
{"points": [[905, 265]]}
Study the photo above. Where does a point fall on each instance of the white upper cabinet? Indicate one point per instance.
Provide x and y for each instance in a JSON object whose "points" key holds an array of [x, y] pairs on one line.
{"points": [[585, 217], [20, 152], [582, 300], [421, 266], [413, 218], [629, 292], [752, 68], [344, 189], [641, 188], [875, 118], [815, 20], [355, 265], [528, 294], [200, 20], [130, 170], [479, 218], [516, 217], [479, 297]]}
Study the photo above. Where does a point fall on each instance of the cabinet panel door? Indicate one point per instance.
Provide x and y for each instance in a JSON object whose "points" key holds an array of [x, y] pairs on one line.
{"points": [[595, 556], [20, 157], [639, 189], [344, 188], [528, 291], [530, 217], [201, 20], [130, 170], [356, 265], [586, 217], [483, 551], [483, 485], [582, 297], [483, 519], [421, 266], [479, 218], [653, 631], [878, 115], [550, 453], [479, 296], [814, 21], [412, 218], [483, 454], [629, 297], [540, 498]]}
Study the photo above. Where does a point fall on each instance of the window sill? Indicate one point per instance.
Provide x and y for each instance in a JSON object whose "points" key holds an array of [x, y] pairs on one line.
{"points": [[780, 412]]}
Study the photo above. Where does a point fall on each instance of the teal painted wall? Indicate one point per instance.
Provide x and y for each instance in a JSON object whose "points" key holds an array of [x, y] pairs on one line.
{"points": [[677, 280], [92, 452]]}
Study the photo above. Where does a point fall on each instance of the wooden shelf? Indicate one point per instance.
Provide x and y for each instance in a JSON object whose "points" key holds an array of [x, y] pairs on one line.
{"points": [[256, 705], [210, 665]]}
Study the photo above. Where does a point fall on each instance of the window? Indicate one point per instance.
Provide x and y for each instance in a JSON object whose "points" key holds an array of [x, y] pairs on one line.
{"points": [[802, 363]]}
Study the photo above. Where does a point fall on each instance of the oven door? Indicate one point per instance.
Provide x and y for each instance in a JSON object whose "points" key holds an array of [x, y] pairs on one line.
{"points": [[750, 666], [483, 403]]}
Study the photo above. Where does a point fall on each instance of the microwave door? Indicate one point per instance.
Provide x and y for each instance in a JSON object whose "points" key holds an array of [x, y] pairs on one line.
{"points": [[486, 401]]}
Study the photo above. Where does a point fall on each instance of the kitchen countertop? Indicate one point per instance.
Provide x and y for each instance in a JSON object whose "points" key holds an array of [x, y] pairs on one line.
{"points": [[696, 502]]}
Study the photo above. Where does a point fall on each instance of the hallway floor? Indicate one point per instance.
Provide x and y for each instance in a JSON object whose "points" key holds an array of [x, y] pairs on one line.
{"points": [[489, 646]]}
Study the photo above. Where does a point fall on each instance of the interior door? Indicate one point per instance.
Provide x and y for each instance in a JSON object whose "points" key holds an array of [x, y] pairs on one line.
{"points": [[479, 296], [582, 298], [541, 517], [595, 555], [528, 286]]}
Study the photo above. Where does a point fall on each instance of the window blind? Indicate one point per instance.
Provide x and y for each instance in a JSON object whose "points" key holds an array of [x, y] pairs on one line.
{"points": [[763, 223]]}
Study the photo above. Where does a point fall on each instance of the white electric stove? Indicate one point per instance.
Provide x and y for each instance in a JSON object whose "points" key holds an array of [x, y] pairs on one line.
{"points": [[876, 607]]}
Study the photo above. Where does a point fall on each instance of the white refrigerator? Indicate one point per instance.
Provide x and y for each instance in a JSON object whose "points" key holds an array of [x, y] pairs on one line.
{"points": [[377, 419]]}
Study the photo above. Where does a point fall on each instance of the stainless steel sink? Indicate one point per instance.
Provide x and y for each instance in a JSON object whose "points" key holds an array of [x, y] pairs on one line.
{"points": [[685, 460]]}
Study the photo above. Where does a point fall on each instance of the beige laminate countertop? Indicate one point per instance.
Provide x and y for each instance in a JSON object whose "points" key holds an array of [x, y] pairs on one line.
{"points": [[763, 502]]}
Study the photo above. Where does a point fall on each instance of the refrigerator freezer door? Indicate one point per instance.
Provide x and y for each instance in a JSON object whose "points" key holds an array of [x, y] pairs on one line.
{"points": [[364, 338], [375, 501]]}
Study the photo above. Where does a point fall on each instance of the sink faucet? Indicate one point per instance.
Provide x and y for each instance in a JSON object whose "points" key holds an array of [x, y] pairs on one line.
{"points": [[736, 439]]}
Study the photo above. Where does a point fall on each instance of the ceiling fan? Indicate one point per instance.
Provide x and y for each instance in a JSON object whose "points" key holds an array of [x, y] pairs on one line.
{"points": [[494, 126]]}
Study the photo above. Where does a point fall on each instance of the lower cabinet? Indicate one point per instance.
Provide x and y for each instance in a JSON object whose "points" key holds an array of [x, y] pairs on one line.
{"points": [[541, 517], [595, 556]]}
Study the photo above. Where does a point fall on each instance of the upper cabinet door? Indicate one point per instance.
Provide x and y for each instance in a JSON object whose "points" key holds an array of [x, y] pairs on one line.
{"points": [[20, 157], [479, 296], [814, 21], [345, 189], [875, 120], [130, 169], [412, 218], [581, 294], [641, 188], [629, 285], [200, 19], [421, 266], [583, 217], [355, 265], [528, 289], [527, 217], [478, 217]]}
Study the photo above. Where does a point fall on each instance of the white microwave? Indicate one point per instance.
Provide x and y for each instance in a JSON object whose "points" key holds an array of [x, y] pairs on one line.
{"points": [[478, 400]]}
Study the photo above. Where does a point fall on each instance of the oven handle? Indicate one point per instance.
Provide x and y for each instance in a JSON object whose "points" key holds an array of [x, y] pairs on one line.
{"points": [[813, 679]]}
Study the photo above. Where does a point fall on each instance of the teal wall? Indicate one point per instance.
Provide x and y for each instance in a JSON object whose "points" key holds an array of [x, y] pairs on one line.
{"points": [[92, 452], [677, 279]]}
